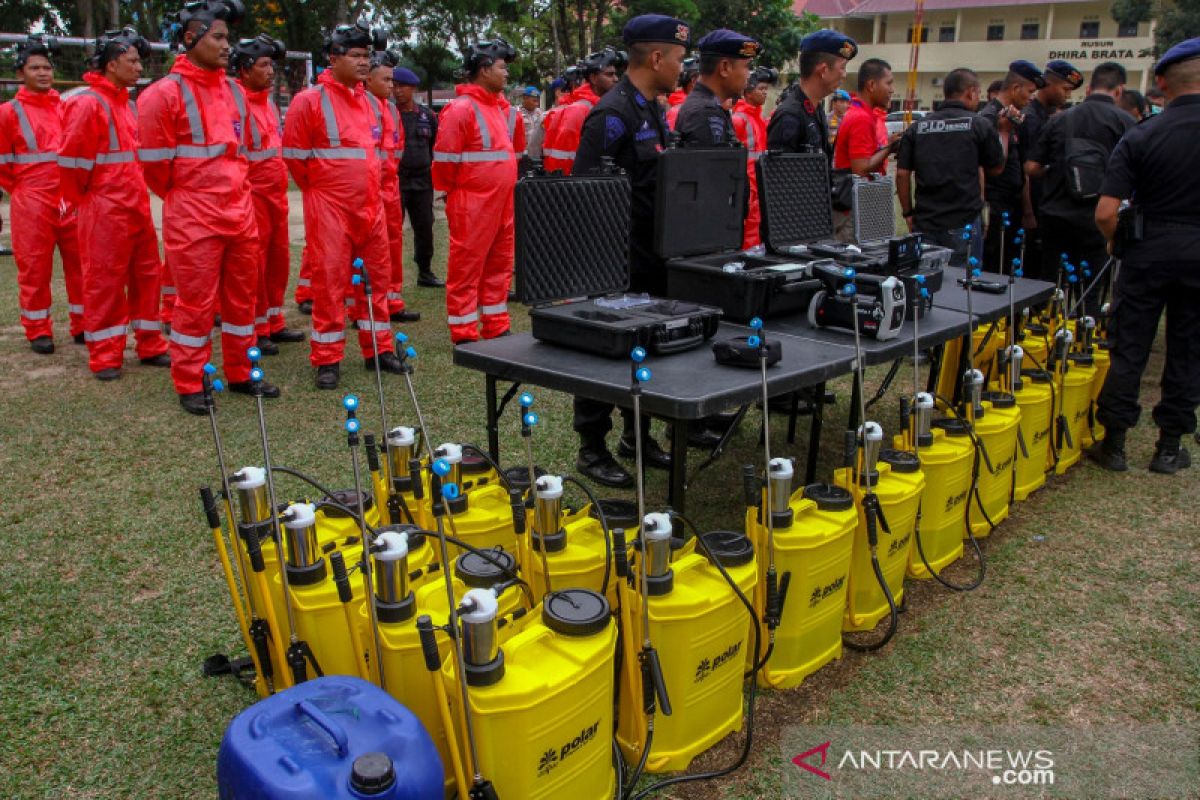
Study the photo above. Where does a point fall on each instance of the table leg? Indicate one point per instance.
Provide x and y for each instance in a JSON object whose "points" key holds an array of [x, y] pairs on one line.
{"points": [[855, 399], [793, 412], [814, 433], [493, 420], [679, 448]]}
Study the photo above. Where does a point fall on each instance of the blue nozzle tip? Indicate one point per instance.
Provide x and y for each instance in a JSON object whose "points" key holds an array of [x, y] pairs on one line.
{"points": [[350, 402], [410, 352], [919, 278], [753, 341], [638, 354], [924, 292], [849, 273], [643, 374], [352, 426], [968, 227], [401, 337], [209, 369], [254, 354], [441, 468], [1063, 256], [1020, 231], [526, 399], [256, 374], [1016, 262], [356, 279], [849, 289], [531, 419], [1073, 279], [1019, 273], [1083, 264], [975, 273], [450, 491], [756, 324], [357, 263], [218, 385]]}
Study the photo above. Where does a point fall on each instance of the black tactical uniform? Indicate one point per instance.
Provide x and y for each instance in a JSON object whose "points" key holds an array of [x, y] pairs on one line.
{"points": [[630, 129], [1036, 117], [702, 121], [1070, 225], [945, 151], [416, 182], [1155, 166], [1004, 192], [799, 126]]}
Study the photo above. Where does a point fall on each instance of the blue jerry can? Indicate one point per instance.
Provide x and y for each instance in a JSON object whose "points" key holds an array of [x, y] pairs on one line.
{"points": [[332, 738]]}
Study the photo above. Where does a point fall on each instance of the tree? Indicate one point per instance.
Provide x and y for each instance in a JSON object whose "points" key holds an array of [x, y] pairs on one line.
{"points": [[433, 62], [1177, 21]]}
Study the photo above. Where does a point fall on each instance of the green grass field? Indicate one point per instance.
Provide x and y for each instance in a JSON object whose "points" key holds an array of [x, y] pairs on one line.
{"points": [[111, 595]]}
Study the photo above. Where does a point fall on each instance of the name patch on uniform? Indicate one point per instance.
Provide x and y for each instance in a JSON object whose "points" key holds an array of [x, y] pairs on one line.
{"points": [[237, 128], [716, 125], [943, 126], [376, 133], [646, 133]]}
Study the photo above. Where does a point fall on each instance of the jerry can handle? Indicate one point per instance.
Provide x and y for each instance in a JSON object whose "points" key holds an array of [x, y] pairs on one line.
{"points": [[335, 731]]}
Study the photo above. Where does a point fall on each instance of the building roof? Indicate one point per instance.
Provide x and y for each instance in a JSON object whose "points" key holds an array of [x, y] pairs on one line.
{"points": [[827, 9]]}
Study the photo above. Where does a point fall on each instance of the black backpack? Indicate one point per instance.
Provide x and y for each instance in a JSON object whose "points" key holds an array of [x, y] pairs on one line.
{"points": [[1084, 162]]}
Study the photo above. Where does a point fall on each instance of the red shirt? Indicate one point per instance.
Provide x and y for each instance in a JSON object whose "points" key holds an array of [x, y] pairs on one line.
{"points": [[861, 134]]}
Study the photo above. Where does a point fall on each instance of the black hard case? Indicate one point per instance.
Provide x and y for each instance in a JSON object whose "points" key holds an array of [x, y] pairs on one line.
{"points": [[701, 197], [572, 241]]}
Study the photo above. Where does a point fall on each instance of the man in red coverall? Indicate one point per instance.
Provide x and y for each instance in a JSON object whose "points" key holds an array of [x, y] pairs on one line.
{"points": [[191, 124], [98, 171], [387, 117], [475, 164], [254, 60], [687, 81], [30, 130], [562, 134], [751, 130], [330, 142]]}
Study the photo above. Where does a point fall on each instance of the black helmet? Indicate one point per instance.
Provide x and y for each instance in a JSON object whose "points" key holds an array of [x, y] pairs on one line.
{"points": [[487, 52], [608, 57], [573, 76], [691, 70], [206, 12], [111, 44], [247, 52], [360, 34], [385, 58], [764, 75], [36, 44]]}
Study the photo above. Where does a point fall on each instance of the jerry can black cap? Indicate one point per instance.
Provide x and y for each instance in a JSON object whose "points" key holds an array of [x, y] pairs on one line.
{"points": [[576, 612], [829, 497], [518, 477], [953, 426], [1038, 375], [999, 399], [484, 569], [372, 773], [346, 498], [416, 536], [731, 548], [900, 460], [618, 513]]}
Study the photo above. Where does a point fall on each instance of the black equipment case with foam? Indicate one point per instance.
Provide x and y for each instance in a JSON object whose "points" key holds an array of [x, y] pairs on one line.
{"points": [[701, 197], [572, 242]]}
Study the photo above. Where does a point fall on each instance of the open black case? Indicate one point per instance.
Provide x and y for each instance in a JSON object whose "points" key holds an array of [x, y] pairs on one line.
{"points": [[700, 216], [572, 267]]}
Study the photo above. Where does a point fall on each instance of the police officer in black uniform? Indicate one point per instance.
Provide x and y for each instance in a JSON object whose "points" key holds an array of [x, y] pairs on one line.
{"points": [[1006, 192], [945, 151], [416, 181], [1061, 79], [798, 124], [1158, 239], [724, 73], [1070, 223], [628, 126]]}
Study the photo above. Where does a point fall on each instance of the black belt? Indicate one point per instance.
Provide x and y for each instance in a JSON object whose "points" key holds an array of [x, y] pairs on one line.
{"points": [[1152, 226]]}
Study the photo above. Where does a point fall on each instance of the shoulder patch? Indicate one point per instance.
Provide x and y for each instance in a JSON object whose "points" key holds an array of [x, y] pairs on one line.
{"points": [[716, 126], [614, 129]]}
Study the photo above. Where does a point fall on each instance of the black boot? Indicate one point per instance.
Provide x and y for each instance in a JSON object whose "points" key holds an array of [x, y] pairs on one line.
{"points": [[1169, 456], [597, 463], [426, 278], [328, 376], [42, 345], [1110, 453], [652, 453]]}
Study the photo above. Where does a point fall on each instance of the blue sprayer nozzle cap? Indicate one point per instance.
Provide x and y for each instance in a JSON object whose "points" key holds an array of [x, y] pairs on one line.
{"points": [[253, 353], [849, 290], [643, 374], [450, 491], [753, 341], [410, 352], [441, 468], [756, 324], [357, 263], [526, 399], [352, 426], [209, 369], [356, 279], [531, 419], [218, 385], [401, 337], [350, 402], [849, 273], [638, 354], [256, 374]]}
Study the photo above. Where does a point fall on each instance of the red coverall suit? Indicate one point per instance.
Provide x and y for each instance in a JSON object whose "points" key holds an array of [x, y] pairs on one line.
{"points": [[304, 292], [562, 135], [475, 163], [192, 155], [118, 249], [329, 146], [751, 129], [31, 127], [674, 103], [389, 153], [268, 192]]}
